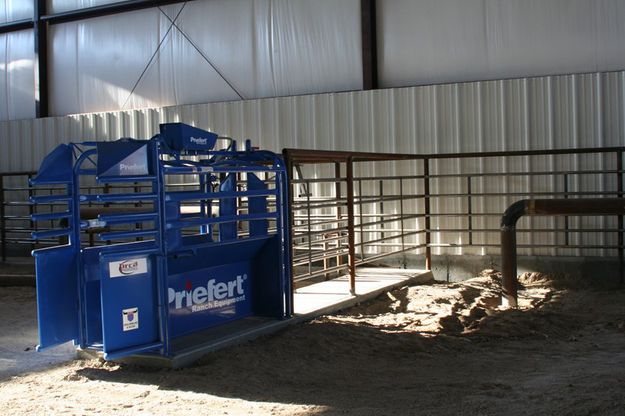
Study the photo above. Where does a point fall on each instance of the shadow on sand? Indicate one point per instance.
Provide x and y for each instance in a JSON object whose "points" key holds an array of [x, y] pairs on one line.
{"points": [[478, 360]]}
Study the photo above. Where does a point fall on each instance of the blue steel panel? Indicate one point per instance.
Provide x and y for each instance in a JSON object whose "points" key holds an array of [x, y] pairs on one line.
{"points": [[180, 136], [172, 213], [228, 207], [56, 166], [91, 302], [257, 205], [207, 297], [57, 295], [267, 285], [123, 158], [129, 306], [93, 311]]}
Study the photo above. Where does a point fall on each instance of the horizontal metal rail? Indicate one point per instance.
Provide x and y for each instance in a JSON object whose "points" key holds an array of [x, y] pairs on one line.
{"points": [[438, 204], [24, 210]]}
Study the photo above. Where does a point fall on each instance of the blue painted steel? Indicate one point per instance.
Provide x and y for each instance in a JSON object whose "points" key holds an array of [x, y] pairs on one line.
{"points": [[118, 179], [124, 197], [56, 167], [127, 218], [180, 136], [39, 235], [185, 196], [257, 205], [130, 297], [230, 219], [228, 208], [207, 297], [57, 296], [114, 355], [51, 216], [44, 199], [118, 235], [123, 157]]}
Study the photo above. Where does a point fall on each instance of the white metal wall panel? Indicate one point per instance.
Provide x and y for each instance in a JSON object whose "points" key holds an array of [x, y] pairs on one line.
{"points": [[565, 111], [521, 114], [17, 75], [424, 41], [12, 10], [220, 50]]}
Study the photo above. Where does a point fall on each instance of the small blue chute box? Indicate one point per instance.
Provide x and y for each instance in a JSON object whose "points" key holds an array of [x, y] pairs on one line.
{"points": [[193, 240], [180, 136]]}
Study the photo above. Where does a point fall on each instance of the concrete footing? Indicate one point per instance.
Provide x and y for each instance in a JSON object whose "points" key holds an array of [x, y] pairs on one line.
{"points": [[454, 268]]}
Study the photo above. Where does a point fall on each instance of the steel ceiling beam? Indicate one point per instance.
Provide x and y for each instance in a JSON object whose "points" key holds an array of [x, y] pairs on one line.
{"points": [[16, 25], [105, 10], [42, 90], [368, 27]]}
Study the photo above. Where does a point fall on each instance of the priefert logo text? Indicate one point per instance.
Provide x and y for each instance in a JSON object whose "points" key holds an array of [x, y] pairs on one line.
{"points": [[210, 293], [199, 140]]}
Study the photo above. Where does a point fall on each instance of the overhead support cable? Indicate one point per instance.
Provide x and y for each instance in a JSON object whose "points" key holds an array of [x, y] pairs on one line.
{"points": [[369, 44], [147, 66], [203, 55]]}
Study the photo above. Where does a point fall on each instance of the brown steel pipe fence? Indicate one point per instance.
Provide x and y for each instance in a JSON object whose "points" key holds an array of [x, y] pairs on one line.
{"points": [[350, 209], [15, 210], [353, 208]]}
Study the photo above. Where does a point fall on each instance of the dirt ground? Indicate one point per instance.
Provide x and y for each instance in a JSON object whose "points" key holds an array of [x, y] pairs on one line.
{"points": [[433, 349]]}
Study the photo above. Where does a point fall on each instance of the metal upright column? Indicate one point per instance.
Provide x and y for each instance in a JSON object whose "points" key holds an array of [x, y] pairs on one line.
{"points": [[351, 240], [470, 210], [3, 232], [291, 218], [619, 185], [337, 191], [41, 53], [426, 202]]}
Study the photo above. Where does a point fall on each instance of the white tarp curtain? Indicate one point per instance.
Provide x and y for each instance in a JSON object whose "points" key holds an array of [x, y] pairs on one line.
{"points": [[12, 10], [426, 41], [17, 75], [262, 48]]}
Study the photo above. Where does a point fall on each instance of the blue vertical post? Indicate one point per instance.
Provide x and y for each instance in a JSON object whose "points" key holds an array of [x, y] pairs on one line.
{"points": [[158, 187]]}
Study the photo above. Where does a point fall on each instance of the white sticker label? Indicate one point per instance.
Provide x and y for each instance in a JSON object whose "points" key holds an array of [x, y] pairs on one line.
{"points": [[130, 318], [128, 267]]}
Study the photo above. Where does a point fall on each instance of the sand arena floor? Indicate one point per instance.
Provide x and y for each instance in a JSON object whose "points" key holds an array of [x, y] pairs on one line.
{"points": [[433, 349]]}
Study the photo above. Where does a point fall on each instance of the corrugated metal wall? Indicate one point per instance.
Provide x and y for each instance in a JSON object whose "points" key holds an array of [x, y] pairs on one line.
{"points": [[531, 113], [522, 114]]}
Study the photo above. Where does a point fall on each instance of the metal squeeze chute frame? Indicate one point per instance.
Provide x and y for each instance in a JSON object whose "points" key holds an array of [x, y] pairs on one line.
{"points": [[149, 296]]}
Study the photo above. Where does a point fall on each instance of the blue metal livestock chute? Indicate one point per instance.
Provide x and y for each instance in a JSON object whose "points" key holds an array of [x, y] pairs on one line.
{"points": [[192, 239]]}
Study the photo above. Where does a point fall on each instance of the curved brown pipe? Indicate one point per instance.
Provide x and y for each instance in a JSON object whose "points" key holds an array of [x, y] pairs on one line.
{"points": [[585, 206]]}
